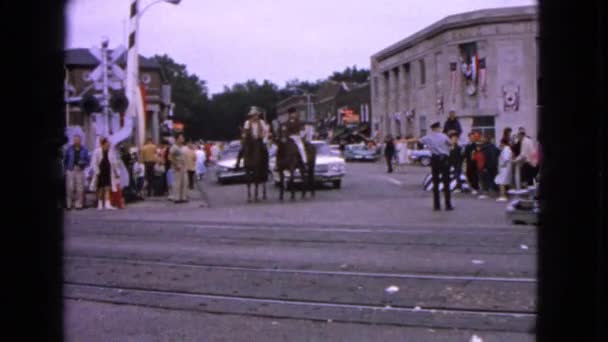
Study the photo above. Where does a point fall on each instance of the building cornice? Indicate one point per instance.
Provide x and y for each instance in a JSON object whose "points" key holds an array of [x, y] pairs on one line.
{"points": [[458, 21]]}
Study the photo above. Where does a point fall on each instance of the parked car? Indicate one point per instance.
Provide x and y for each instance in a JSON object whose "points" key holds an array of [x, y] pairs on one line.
{"points": [[329, 168], [361, 153], [422, 156], [335, 150], [525, 206], [226, 171]]}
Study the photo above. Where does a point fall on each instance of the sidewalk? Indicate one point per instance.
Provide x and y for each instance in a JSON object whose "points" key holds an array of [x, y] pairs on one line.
{"points": [[196, 200]]}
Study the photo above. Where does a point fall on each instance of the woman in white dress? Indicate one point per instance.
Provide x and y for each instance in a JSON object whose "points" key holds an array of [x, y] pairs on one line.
{"points": [[503, 179]]}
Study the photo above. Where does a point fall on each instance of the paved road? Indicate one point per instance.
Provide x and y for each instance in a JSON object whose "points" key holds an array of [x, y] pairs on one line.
{"points": [[309, 270]]}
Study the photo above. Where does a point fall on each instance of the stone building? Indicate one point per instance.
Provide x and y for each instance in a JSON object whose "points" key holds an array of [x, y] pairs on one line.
{"points": [[481, 64], [79, 63]]}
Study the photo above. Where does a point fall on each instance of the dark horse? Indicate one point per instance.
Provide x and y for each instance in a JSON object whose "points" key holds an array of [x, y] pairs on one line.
{"points": [[288, 159], [255, 158]]}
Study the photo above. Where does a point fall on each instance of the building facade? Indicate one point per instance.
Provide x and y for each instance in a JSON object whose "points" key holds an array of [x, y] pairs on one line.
{"points": [[79, 63], [482, 65]]}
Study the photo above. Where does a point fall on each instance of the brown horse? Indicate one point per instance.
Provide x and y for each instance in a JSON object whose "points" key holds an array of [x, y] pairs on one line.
{"points": [[288, 159], [255, 158]]}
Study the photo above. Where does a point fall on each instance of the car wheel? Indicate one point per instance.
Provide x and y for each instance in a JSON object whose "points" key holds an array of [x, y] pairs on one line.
{"points": [[337, 184], [425, 161]]}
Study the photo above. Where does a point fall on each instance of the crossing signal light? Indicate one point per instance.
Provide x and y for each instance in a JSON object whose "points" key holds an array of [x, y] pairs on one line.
{"points": [[90, 104], [119, 102]]}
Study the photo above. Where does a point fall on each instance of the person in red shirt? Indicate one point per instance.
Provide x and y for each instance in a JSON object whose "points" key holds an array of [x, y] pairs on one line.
{"points": [[207, 148], [480, 165]]}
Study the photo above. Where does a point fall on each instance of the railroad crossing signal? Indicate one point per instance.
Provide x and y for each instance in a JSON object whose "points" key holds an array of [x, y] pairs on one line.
{"points": [[114, 70]]}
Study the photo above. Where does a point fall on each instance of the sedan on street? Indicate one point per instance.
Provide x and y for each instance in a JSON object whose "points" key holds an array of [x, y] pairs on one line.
{"points": [[329, 168]]}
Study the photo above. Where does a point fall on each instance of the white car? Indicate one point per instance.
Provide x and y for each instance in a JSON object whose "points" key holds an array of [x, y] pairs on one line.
{"points": [[225, 170], [329, 168]]}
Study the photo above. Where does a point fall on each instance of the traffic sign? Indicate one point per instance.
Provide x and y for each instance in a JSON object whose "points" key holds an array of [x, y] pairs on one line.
{"points": [[118, 72], [116, 54], [96, 52]]}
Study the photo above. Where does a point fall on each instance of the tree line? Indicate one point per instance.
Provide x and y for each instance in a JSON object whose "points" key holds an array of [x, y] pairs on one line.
{"points": [[218, 117]]}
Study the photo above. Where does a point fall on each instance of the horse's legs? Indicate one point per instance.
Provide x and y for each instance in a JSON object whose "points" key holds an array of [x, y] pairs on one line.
{"points": [[264, 190], [248, 187], [256, 192], [304, 174], [281, 184], [311, 180], [291, 183]]}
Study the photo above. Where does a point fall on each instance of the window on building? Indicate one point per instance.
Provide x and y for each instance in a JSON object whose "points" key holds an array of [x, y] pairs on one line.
{"points": [[422, 68], [468, 53], [484, 125], [407, 76], [422, 123], [438, 65]]}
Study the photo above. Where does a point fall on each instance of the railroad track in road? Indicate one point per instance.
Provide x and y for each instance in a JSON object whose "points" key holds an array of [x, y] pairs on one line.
{"points": [[479, 320], [424, 300]]}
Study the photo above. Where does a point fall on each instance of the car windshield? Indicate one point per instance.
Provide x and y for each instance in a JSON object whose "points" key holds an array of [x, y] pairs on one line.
{"points": [[322, 149], [231, 151]]}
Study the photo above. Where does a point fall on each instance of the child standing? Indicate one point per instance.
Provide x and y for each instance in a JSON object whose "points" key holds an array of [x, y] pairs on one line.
{"points": [[480, 166], [159, 177], [139, 173]]}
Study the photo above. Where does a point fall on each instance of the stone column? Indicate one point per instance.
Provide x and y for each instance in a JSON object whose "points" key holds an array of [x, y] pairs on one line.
{"points": [[391, 94], [382, 103], [403, 97]]}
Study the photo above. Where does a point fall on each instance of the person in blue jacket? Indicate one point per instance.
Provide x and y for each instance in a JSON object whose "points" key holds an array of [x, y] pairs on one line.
{"points": [[76, 160]]}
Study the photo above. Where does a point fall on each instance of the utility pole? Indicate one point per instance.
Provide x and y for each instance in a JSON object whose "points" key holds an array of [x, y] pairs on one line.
{"points": [[105, 100]]}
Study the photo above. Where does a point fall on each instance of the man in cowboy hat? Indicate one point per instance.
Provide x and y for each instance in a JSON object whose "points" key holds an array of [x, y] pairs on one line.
{"points": [[255, 127], [294, 131]]}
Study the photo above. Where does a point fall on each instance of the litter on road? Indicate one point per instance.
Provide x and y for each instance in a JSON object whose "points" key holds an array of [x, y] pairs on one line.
{"points": [[477, 262], [475, 338], [392, 289]]}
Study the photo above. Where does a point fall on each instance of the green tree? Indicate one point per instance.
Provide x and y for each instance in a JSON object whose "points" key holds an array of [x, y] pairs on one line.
{"points": [[188, 92], [351, 75]]}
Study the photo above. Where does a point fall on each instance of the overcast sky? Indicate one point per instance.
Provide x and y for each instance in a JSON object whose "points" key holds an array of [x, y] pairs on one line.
{"points": [[230, 41]]}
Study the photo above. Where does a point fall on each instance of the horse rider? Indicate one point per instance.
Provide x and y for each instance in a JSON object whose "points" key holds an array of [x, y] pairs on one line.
{"points": [[294, 131], [254, 127]]}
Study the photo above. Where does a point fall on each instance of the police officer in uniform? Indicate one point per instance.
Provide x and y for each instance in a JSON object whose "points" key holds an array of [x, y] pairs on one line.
{"points": [[439, 144]]}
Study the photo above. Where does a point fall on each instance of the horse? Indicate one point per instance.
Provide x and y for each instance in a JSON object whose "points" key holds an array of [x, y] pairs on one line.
{"points": [[288, 159], [255, 160]]}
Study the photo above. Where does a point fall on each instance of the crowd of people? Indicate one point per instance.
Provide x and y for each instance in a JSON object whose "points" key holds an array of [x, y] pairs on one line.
{"points": [[489, 167], [117, 176]]}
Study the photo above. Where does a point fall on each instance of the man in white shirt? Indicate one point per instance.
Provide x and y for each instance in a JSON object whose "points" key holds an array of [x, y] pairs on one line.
{"points": [[255, 127], [526, 162]]}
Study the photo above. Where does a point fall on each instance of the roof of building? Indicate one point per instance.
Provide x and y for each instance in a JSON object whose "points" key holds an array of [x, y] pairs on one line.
{"points": [[83, 57], [294, 99], [479, 17]]}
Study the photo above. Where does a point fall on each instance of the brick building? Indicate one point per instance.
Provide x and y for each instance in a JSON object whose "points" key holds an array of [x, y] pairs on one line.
{"points": [[482, 64], [79, 63]]}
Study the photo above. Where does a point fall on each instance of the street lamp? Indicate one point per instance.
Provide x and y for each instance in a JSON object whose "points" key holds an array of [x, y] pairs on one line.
{"points": [[132, 83]]}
